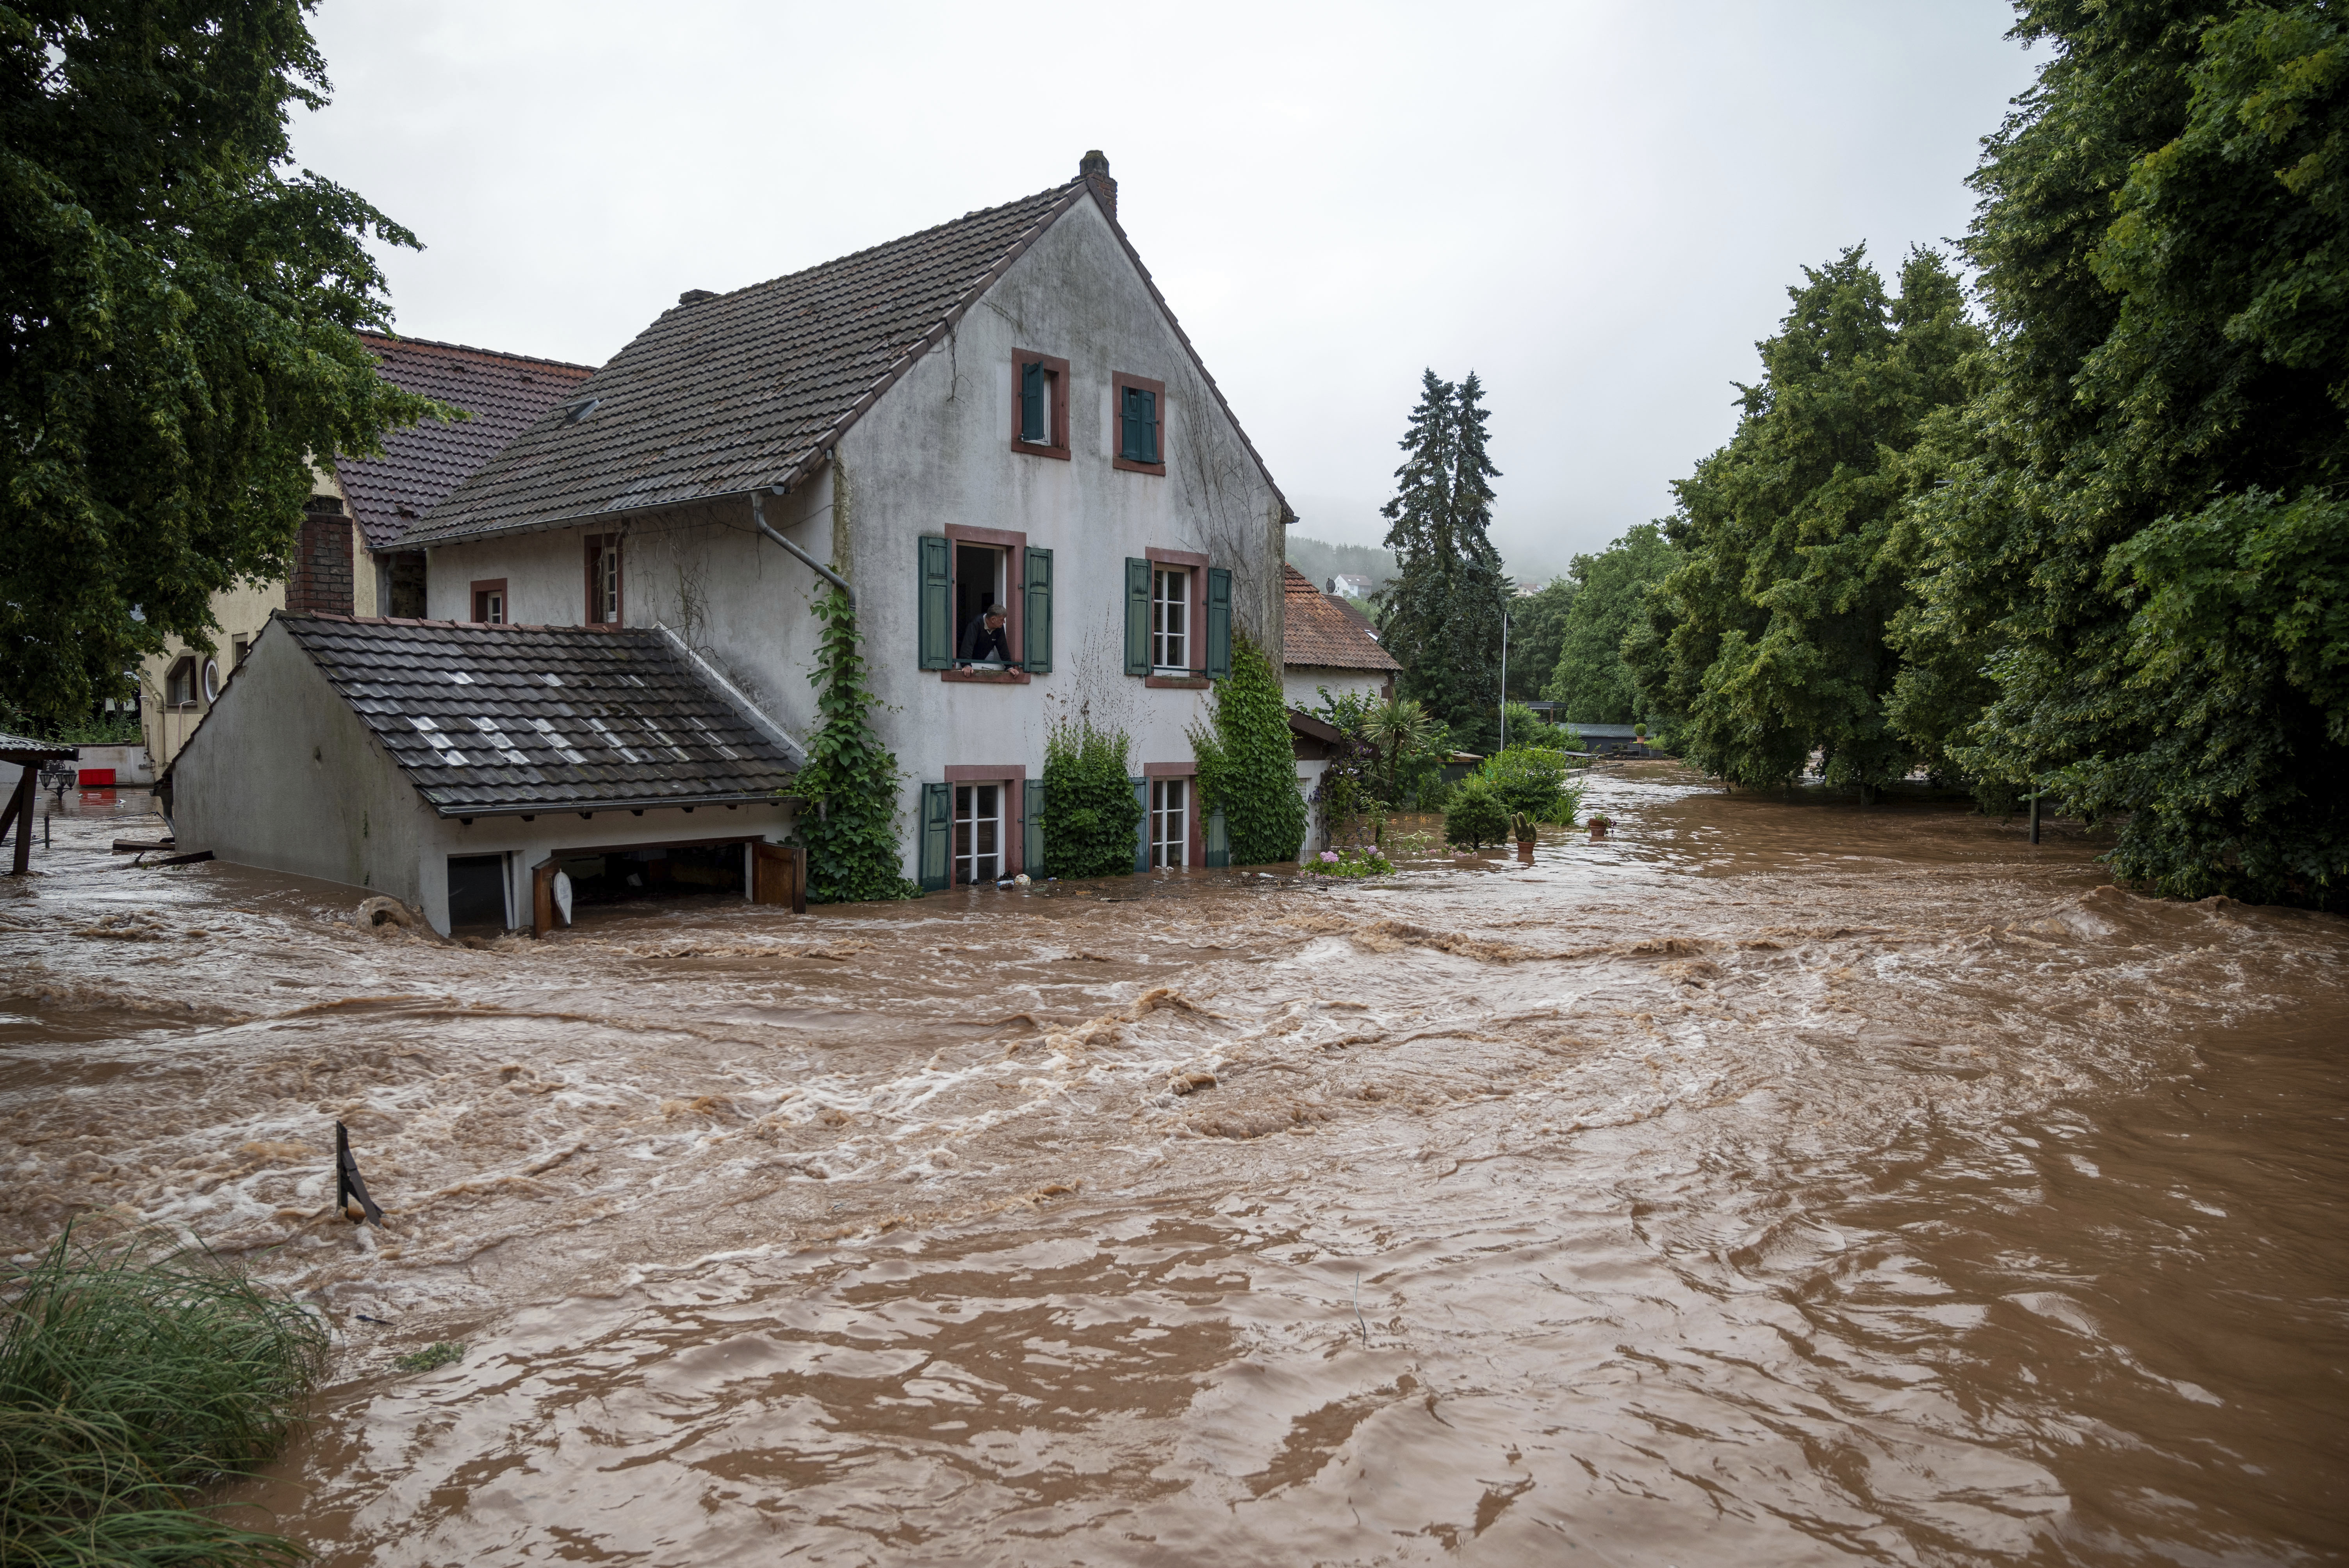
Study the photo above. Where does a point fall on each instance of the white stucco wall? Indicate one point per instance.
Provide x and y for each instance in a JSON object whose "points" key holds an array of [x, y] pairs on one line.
{"points": [[935, 450], [283, 775], [1301, 683]]}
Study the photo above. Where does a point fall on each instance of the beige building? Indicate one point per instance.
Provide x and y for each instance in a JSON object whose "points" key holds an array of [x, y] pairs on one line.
{"points": [[348, 558]]}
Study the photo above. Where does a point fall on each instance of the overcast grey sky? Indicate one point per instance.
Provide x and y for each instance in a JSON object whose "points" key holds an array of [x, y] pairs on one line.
{"points": [[1597, 206]]}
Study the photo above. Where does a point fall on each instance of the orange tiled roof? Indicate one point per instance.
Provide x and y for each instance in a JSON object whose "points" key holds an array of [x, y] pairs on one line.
{"points": [[1317, 632]]}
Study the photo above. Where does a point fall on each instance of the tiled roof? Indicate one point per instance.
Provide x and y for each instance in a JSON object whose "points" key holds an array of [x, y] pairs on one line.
{"points": [[492, 720], [504, 392], [739, 390], [1317, 633], [13, 746], [732, 392]]}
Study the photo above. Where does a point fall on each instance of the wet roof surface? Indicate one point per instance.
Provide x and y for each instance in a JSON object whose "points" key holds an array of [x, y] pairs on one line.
{"points": [[732, 392], [488, 719], [506, 394], [1317, 632]]}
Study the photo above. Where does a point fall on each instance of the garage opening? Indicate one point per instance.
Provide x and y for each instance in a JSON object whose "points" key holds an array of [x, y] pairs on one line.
{"points": [[626, 876], [476, 891]]}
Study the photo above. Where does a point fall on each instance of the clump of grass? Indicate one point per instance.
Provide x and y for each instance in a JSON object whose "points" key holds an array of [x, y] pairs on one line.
{"points": [[438, 1353], [134, 1375]]}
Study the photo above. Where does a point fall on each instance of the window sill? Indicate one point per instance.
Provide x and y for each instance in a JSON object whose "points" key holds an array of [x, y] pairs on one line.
{"points": [[987, 677], [1128, 465], [1177, 683], [1039, 449]]}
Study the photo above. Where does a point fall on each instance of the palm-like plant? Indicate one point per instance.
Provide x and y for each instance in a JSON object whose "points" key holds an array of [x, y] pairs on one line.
{"points": [[1396, 726]]}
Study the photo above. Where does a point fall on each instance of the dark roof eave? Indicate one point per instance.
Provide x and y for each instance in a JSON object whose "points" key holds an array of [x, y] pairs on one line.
{"points": [[556, 808]]}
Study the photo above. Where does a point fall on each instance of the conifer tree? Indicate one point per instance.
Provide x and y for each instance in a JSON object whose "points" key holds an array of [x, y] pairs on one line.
{"points": [[1443, 612]]}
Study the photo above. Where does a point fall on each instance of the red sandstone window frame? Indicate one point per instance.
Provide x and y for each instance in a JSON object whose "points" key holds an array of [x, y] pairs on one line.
{"points": [[1117, 458], [497, 585], [1056, 412], [1013, 804], [1195, 827], [1014, 546], [1194, 636], [598, 543]]}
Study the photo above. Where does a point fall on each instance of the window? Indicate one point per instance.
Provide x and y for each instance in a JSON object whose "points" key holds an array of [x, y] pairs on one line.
{"points": [[1138, 424], [978, 834], [980, 584], [212, 680], [180, 684], [236, 651], [1040, 404], [490, 598], [1169, 821], [604, 580], [1170, 620]]}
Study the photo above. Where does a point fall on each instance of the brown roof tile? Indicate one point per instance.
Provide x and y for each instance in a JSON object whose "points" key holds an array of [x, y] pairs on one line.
{"points": [[504, 392], [1319, 632]]}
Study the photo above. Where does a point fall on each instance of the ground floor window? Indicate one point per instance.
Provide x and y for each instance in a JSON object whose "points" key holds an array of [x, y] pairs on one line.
{"points": [[476, 891], [977, 833], [1169, 821]]}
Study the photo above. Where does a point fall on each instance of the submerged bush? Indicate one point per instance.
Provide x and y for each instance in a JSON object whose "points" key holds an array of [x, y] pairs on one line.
{"points": [[1476, 815], [134, 1376], [1531, 780], [1092, 819]]}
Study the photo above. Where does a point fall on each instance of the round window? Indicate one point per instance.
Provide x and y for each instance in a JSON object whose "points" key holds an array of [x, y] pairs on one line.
{"points": [[212, 680]]}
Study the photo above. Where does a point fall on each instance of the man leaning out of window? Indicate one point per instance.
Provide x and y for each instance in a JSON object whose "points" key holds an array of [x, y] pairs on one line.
{"points": [[983, 641]]}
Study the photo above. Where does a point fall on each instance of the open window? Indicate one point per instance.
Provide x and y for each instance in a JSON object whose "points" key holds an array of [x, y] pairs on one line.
{"points": [[982, 599], [1040, 404], [967, 571], [603, 581], [490, 597]]}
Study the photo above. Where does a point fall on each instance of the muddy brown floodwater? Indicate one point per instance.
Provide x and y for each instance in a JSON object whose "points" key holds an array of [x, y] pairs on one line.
{"points": [[1775, 1182]]}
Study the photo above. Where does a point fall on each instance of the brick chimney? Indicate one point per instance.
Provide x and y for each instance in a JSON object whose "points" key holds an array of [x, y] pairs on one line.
{"points": [[1093, 169], [323, 567]]}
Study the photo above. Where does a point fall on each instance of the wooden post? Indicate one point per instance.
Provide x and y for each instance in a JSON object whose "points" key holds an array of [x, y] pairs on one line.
{"points": [[542, 897], [20, 815], [2035, 816]]}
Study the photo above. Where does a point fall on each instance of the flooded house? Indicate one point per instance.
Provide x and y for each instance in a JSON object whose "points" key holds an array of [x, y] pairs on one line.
{"points": [[992, 434], [347, 557]]}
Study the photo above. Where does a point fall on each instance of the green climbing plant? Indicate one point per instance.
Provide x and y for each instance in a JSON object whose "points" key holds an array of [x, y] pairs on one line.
{"points": [[1091, 816], [848, 790], [1247, 764]]}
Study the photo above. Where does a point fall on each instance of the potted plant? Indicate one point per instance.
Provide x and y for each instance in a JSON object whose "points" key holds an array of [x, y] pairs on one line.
{"points": [[1599, 823], [1521, 828], [1640, 735]]}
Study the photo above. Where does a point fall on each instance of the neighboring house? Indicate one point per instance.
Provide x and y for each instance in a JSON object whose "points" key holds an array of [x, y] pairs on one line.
{"points": [[1326, 645], [1313, 742], [464, 769], [999, 410], [1351, 586], [346, 560]]}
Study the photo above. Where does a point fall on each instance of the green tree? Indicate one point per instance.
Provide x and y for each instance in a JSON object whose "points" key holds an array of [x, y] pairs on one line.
{"points": [[1442, 612], [1768, 642], [2146, 552], [1536, 632], [180, 316], [847, 817], [1091, 816], [1247, 762], [1611, 595]]}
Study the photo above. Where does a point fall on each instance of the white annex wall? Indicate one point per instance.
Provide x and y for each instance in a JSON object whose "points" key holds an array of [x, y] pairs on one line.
{"points": [[1301, 683]]}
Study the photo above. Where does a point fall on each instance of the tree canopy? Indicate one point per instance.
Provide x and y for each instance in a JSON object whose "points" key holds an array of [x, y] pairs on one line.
{"points": [[180, 321], [1610, 604], [1536, 622], [2138, 573], [1769, 640], [1441, 614]]}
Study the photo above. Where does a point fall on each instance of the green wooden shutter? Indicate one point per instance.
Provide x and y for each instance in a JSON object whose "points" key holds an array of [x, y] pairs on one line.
{"points": [[1138, 617], [1219, 624], [1149, 428], [1032, 409], [1129, 432], [1031, 847], [1141, 833], [938, 601], [1036, 630], [1220, 840], [937, 835]]}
